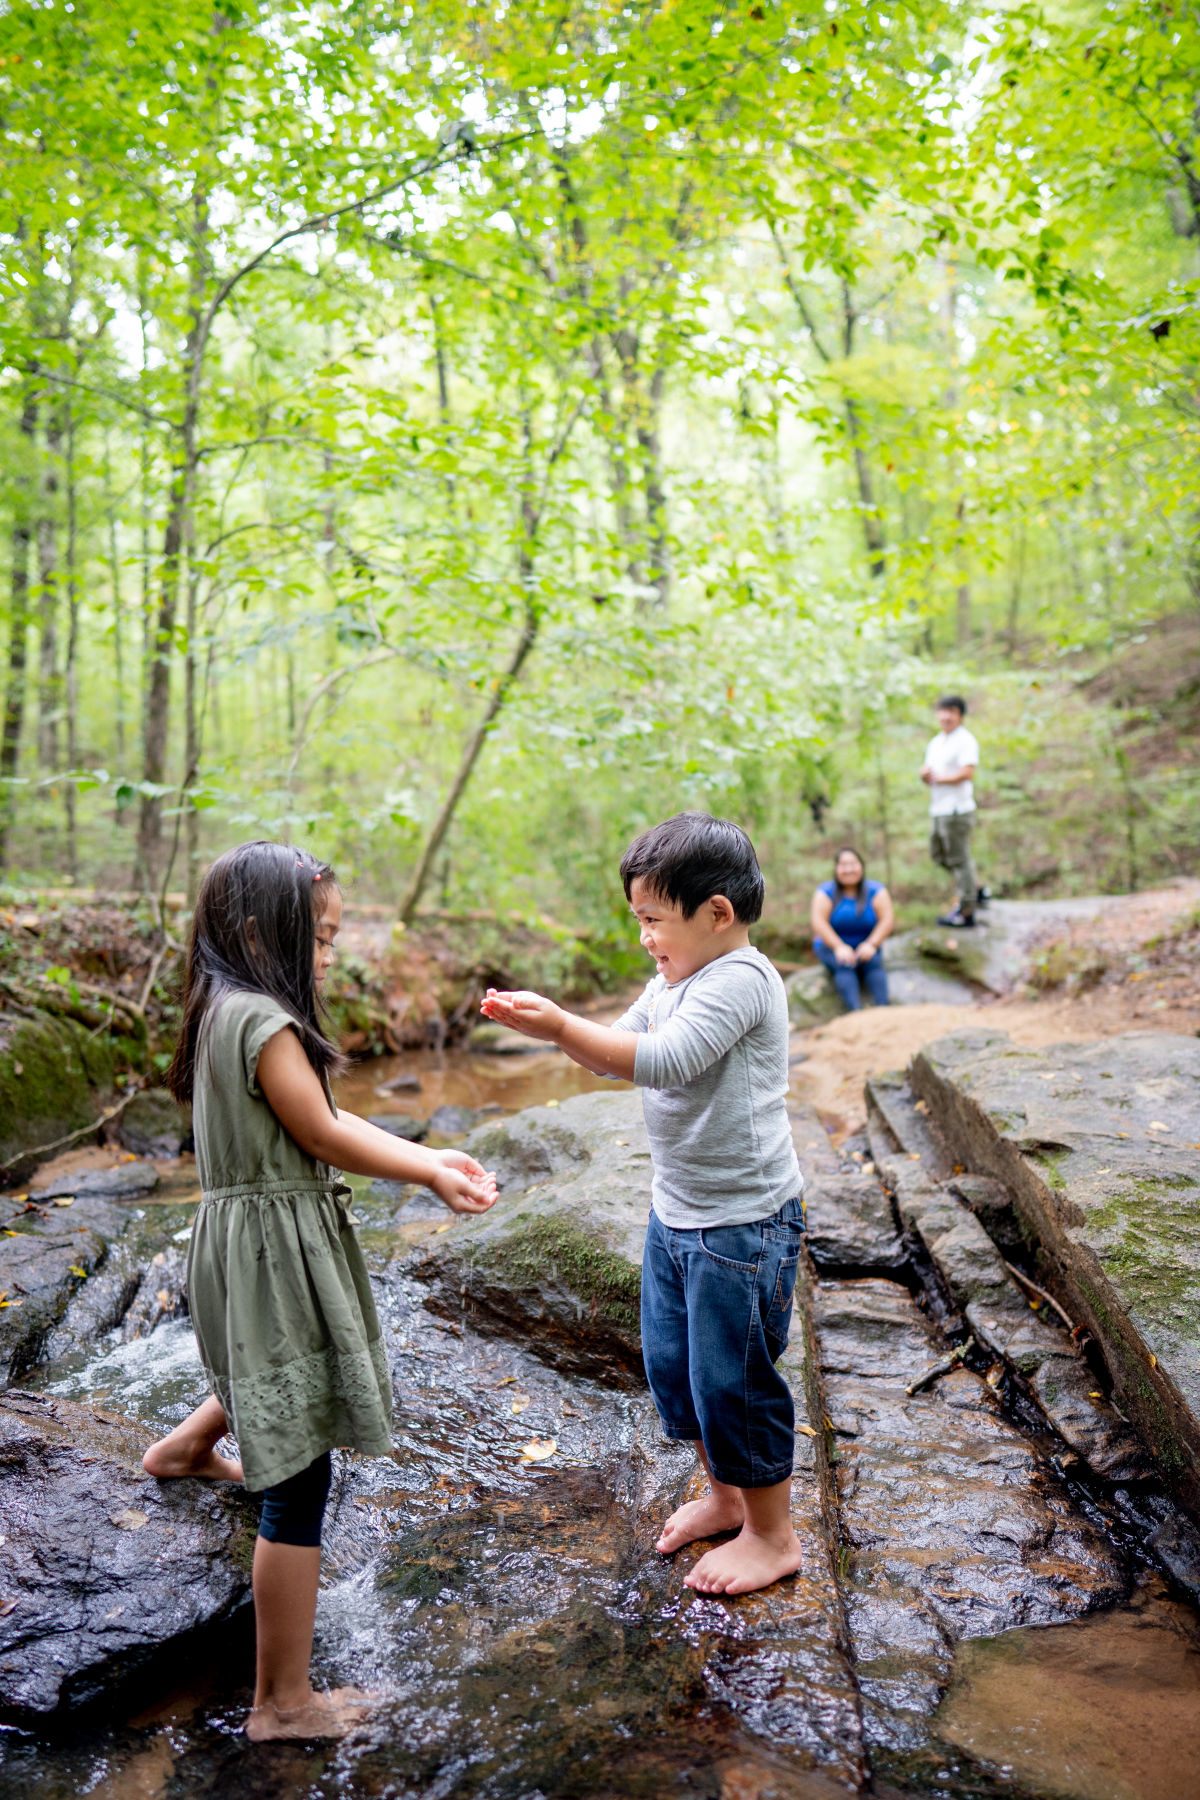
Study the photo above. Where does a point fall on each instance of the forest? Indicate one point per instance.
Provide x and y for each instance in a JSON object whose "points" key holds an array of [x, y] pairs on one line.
{"points": [[455, 435]]}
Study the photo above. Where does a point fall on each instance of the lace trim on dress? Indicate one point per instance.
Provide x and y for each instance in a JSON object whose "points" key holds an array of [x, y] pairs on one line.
{"points": [[351, 1385]]}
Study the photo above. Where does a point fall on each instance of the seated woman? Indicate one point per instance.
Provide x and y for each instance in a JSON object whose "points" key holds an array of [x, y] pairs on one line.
{"points": [[851, 916]]}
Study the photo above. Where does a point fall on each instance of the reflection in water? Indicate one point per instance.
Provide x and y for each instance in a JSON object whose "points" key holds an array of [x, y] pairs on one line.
{"points": [[1107, 1708], [456, 1078]]}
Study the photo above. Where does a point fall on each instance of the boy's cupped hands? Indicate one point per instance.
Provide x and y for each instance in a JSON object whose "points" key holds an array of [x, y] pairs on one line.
{"points": [[532, 1014]]}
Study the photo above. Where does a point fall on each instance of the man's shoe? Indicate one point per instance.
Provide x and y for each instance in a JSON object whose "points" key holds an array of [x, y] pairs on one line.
{"points": [[960, 920]]}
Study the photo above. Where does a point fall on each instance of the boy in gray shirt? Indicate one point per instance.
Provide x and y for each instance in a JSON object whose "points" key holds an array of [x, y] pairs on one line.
{"points": [[707, 1041]]}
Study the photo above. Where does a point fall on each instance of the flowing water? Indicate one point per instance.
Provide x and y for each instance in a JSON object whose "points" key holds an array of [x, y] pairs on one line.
{"points": [[527, 1641]]}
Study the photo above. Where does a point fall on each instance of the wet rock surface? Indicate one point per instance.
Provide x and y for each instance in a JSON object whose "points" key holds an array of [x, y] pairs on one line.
{"points": [[1096, 1143], [102, 1569], [495, 1580], [956, 1526], [124, 1181], [559, 1260], [47, 1253], [154, 1124]]}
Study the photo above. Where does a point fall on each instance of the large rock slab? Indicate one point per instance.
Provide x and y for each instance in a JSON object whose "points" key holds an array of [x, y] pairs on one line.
{"points": [[47, 1253], [559, 1258], [953, 1527], [102, 1569], [1098, 1145], [56, 1076]]}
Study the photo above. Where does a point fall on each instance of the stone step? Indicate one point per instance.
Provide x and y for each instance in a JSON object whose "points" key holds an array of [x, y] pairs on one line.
{"points": [[894, 1109], [1098, 1145], [952, 1526], [1007, 1324], [850, 1223]]}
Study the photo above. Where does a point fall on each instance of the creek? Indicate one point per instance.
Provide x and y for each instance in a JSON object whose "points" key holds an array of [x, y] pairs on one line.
{"points": [[979, 1622]]}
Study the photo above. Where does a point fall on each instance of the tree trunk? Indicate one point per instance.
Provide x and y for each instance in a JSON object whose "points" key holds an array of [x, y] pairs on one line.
{"points": [[500, 692], [868, 511], [70, 685], [191, 747], [114, 565], [175, 531], [650, 446], [49, 677], [1014, 597], [962, 597], [15, 690]]}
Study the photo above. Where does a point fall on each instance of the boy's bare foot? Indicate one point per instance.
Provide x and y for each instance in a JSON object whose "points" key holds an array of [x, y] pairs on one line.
{"points": [[323, 1715], [748, 1563], [181, 1453], [704, 1518]]}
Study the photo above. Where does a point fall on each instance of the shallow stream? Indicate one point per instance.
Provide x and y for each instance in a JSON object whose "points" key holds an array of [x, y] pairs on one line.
{"points": [[527, 1640]]}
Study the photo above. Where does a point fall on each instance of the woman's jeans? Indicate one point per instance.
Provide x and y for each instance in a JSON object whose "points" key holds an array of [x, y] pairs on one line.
{"points": [[716, 1307], [847, 979]]}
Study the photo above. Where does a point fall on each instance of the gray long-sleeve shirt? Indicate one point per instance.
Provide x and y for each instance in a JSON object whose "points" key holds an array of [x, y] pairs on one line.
{"points": [[712, 1057]]}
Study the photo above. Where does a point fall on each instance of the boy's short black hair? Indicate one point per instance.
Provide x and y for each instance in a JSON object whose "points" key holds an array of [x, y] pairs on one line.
{"points": [[689, 858], [955, 700]]}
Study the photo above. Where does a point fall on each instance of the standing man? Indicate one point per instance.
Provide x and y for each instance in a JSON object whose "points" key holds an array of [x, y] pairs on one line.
{"points": [[950, 764]]}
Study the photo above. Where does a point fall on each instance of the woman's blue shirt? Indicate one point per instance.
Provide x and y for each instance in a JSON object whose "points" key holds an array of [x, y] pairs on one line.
{"points": [[854, 921]]}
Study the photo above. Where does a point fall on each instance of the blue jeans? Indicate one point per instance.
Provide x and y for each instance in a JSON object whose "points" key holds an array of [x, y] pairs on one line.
{"points": [[846, 979], [716, 1307]]}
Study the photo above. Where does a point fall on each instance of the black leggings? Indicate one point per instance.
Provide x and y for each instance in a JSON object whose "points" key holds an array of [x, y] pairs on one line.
{"points": [[292, 1510]]}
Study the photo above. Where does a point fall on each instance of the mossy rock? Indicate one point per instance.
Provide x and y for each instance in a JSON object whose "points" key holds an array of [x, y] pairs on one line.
{"points": [[55, 1076], [558, 1261], [1096, 1143]]}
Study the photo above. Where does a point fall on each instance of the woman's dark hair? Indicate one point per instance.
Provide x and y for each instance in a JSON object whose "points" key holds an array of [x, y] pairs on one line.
{"points": [[283, 891], [689, 858], [849, 850]]}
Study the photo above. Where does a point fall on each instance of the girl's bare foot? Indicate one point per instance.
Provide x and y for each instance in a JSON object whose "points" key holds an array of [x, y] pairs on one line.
{"points": [[191, 1449], [331, 1715], [704, 1518], [748, 1563]]}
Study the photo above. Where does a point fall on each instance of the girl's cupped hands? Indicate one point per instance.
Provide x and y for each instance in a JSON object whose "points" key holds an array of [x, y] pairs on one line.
{"points": [[464, 1185], [532, 1014]]}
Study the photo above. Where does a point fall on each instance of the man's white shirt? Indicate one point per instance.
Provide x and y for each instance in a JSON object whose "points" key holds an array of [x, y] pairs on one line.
{"points": [[949, 752]]}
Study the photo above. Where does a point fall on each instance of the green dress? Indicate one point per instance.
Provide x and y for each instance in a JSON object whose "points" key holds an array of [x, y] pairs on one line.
{"points": [[277, 1285]]}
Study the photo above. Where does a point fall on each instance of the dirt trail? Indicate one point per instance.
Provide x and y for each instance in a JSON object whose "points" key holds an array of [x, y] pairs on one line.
{"points": [[1135, 967]]}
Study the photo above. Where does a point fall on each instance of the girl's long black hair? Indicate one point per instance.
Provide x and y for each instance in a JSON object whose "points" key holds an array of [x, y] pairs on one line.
{"points": [[254, 928]]}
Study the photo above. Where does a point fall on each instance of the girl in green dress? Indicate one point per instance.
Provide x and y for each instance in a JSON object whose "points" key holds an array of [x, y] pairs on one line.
{"points": [[277, 1286]]}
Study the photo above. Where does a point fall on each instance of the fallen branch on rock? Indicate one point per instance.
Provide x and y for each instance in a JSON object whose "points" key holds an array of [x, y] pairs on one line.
{"points": [[941, 1368], [1041, 1294], [12, 1170]]}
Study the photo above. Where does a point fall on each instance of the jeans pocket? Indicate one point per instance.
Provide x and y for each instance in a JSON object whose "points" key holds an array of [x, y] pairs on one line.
{"points": [[735, 1246], [785, 1291]]}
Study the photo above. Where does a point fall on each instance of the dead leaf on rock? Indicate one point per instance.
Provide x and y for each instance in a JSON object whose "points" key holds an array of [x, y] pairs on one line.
{"points": [[6, 1607], [65, 1200], [163, 1298], [129, 1519], [807, 1430], [520, 1402], [538, 1449]]}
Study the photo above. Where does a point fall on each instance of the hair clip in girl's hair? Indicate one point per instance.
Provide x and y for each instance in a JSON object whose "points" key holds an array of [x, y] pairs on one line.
{"points": [[317, 875]]}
